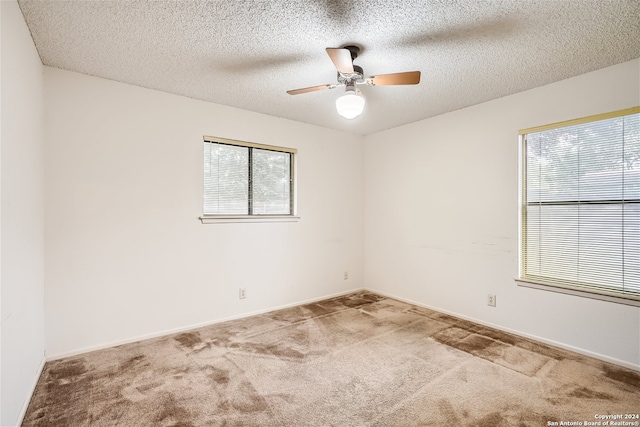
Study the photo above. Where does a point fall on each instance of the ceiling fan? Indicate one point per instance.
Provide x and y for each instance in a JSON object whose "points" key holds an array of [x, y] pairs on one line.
{"points": [[351, 104]]}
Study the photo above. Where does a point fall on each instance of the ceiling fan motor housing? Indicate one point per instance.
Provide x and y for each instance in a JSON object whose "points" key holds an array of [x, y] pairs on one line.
{"points": [[356, 77], [355, 50]]}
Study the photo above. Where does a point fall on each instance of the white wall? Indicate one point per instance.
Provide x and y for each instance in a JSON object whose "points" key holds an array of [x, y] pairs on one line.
{"points": [[21, 215], [125, 254], [441, 215]]}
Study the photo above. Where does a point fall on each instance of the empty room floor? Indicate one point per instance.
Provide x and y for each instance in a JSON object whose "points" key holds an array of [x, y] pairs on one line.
{"points": [[356, 360]]}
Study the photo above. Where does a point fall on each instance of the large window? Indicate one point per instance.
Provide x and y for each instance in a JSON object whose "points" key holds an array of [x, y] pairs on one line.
{"points": [[580, 209], [247, 180]]}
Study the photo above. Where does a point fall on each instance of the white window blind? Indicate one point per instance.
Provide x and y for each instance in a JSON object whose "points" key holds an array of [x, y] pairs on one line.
{"points": [[247, 179], [226, 179], [581, 205]]}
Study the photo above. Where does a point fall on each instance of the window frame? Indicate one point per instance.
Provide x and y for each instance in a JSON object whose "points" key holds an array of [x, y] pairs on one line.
{"points": [[521, 280], [226, 218]]}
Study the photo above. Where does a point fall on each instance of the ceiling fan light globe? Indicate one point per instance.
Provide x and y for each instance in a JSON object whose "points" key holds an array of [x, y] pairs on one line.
{"points": [[350, 105]]}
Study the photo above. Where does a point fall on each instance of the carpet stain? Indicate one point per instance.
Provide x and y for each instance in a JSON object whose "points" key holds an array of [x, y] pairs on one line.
{"points": [[316, 310], [189, 340], [585, 393], [493, 419], [624, 376], [448, 411], [130, 363], [67, 370], [278, 350], [476, 344], [554, 401], [495, 334], [64, 381], [243, 398], [451, 336], [217, 375], [290, 315], [359, 299], [171, 413], [148, 387]]}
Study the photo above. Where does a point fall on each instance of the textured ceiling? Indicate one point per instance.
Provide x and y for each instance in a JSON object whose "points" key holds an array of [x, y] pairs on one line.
{"points": [[247, 54]]}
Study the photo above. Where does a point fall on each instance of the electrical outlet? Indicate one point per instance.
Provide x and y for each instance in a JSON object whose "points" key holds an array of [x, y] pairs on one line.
{"points": [[243, 293], [346, 275], [491, 300]]}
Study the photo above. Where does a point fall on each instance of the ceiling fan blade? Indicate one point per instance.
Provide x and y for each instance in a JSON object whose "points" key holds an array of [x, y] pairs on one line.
{"points": [[310, 89], [341, 59], [406, 78]]}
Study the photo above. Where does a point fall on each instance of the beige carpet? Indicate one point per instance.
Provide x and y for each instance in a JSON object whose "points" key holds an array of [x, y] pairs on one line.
{"points": [[357, 360]]}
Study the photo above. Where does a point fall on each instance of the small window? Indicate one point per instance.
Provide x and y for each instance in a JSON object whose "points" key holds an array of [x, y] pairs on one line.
{"points": [[580, 208], [243, 179]]}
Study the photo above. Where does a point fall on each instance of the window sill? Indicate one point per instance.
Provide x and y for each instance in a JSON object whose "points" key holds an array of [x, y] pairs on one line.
{"points": [[225, 219], [586, 293]]}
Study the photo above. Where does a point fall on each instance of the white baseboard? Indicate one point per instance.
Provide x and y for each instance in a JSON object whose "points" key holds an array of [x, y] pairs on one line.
{"points": [[25, 406], [194, 326], [563, 346]]}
